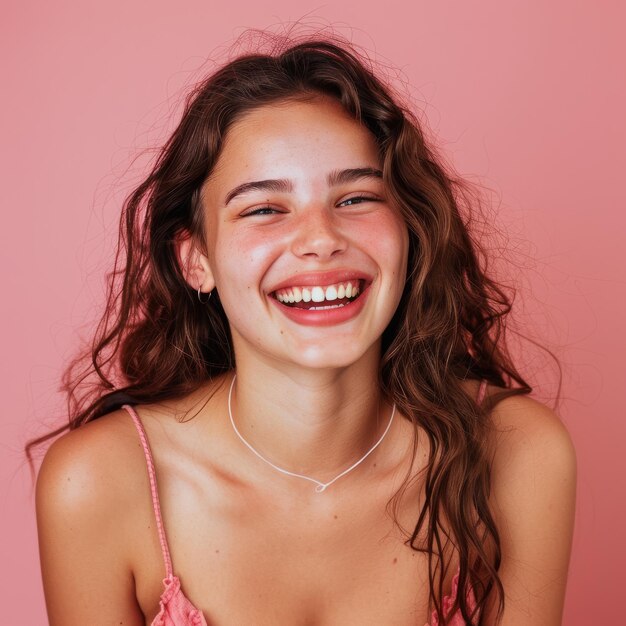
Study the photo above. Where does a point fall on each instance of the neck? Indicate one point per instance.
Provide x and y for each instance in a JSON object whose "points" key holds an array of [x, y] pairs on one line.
{"points": [[316, 423]]}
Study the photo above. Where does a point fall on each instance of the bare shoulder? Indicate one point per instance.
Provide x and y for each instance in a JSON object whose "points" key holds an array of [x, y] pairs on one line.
{"points": [[92, 465], [533, 501], [90, 490], [530, 435]]}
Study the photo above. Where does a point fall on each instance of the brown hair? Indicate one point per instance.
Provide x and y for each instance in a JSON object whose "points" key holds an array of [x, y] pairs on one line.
{"points": [[156, 341]]}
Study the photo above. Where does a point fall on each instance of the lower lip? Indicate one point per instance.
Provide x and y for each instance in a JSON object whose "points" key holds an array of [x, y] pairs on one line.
{"points": [[324, 317]]}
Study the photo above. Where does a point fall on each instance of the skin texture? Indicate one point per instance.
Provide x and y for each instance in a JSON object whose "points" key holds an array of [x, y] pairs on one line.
{"points": [[252, 545]]}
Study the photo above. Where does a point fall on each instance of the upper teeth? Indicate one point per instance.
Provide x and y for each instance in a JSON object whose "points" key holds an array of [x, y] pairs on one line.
{"points": [[319, 294]]}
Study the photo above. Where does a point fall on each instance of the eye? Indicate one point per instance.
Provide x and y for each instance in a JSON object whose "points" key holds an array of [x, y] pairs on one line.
{"points": [[358, 200], [262, 210]]}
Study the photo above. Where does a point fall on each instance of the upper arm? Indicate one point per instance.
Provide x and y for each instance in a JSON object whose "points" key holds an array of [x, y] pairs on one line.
{"points": [[533, 498], [84, 558]]}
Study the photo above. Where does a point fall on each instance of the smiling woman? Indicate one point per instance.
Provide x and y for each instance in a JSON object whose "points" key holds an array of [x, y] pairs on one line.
{"points": [[298, 301]]}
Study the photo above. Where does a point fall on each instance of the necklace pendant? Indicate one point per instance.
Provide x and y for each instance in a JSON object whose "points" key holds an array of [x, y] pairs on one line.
{"points": [[320, 488]]}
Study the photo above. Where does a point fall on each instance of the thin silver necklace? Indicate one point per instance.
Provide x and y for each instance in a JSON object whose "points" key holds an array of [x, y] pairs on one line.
{"points": [[320, 486]]}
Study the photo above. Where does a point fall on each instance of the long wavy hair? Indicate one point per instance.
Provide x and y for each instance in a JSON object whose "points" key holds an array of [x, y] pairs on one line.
{"points": [[156, 341]]}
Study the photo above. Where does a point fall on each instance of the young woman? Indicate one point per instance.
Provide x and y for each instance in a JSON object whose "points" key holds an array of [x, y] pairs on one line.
{"points": [[304, 412]]}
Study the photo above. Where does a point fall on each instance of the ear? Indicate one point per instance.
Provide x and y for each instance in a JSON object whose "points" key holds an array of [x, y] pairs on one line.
{"points": [[193, 262]]}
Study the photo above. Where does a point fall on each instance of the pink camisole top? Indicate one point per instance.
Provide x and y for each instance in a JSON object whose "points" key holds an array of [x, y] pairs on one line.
{"points": [[175, 609]]}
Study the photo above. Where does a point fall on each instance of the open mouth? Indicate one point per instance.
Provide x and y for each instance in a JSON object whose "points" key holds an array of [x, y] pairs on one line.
{"points": [[319, 298]]}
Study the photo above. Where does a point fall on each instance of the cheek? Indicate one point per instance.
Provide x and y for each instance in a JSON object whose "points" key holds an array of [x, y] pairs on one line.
{"points": [[386, 236], [242, 258]]}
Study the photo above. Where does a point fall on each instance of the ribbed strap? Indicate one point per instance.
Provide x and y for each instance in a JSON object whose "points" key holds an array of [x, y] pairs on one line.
{"points": [[153, 487]]}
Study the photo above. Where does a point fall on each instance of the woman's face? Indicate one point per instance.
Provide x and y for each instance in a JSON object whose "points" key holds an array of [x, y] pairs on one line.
{"points": [[308, 255]]}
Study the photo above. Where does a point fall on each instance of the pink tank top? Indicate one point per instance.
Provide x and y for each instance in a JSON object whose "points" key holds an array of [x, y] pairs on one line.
{"points": [[175, 609]]}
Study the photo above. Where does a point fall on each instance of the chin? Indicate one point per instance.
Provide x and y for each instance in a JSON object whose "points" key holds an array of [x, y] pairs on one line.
{"points": [[311, 353], [328, 357]]}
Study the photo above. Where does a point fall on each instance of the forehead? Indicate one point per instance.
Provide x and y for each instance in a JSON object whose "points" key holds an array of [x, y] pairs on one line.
{"points": [[313, 134]]}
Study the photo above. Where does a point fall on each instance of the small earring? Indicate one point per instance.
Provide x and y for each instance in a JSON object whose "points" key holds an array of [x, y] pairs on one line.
{"points": [[200, 298]]}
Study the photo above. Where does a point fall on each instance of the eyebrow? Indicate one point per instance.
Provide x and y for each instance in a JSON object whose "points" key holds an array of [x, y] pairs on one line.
{"points": [[336, 177]]}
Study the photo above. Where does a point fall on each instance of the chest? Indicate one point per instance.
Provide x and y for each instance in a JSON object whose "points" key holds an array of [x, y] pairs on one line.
{"points": [[263, 562]]}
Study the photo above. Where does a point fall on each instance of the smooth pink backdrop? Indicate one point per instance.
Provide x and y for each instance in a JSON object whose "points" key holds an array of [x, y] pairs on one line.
{"points": [[527, 97]]}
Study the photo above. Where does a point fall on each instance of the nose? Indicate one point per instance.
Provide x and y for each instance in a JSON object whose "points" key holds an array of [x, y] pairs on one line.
{"points": [[317, 235]]}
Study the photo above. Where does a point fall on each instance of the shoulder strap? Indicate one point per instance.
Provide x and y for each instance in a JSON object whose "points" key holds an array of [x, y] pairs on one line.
{"points": [[481, 391], [153, 487]]}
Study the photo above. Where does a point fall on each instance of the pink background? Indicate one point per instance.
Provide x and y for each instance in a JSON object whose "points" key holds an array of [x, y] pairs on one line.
{"points": [[527, 97]]}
